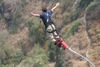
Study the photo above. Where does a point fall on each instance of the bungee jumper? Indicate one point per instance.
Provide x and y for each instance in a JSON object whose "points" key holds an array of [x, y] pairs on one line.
{"points": [[52, 32], [50, 27]]}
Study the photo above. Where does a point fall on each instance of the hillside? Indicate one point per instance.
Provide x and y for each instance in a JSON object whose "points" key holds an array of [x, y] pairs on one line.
{"points": [[23, 42]]}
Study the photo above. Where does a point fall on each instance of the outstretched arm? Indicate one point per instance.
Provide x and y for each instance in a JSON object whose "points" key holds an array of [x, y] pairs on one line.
{"points": [[57, 4], [36, 15]]}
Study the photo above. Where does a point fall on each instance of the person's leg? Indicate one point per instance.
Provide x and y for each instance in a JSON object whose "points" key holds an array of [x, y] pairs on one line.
{"points": [[52, 39], [49, 34], [53, 36], [54, 32]]}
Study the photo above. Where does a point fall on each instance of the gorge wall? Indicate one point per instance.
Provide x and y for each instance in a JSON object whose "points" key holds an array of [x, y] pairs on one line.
{"points": [[15, 27]]}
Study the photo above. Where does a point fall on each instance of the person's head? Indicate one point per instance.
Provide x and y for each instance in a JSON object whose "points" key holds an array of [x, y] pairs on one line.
{"points": [[44, 9]]}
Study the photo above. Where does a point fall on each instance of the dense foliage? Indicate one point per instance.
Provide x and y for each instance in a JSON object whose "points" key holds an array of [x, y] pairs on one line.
{"points": [[73, 28], [85, 2]]}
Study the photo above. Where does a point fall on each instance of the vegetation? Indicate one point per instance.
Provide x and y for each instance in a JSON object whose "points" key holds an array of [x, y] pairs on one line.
{"points": [[92, 6], [37, 57], [94, 9], [23, 3], [59, 60], [15, 23], [3, 38], [52, 52], [73, 28], [85, 2], [75, 15], [9, 57], [68, 16], [35, 32]]}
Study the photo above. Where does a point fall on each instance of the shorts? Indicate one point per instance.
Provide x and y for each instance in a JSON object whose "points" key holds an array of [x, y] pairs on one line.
{"points": [[51, 33]]}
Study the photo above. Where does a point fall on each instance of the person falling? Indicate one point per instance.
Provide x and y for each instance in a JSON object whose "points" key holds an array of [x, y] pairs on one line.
{"points": [[49, 24]]}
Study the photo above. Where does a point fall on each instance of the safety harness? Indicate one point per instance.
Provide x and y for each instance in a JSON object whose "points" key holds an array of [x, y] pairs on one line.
{"points": [[50, 23], [58, 40]]}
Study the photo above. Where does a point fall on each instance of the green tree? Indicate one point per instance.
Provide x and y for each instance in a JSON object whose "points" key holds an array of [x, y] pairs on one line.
{"points": [[35, 32], [52, 51], [37, 57], [73, 28], [85, 2], [59, 60]]}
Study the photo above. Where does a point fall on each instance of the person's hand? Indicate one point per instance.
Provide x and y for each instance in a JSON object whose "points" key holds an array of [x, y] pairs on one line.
{"points": [[57, 4], [36, 15], [32, 13]]}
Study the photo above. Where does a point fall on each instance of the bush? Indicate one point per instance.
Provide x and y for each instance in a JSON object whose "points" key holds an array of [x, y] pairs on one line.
{"points": [[59, 60], [76, 15], [85, 2], [10, 57], [92, 6], [15, 22], [17, 56], [35, 31], [3, 38], [52, 52], [32, 25], [73, 28], [37, 57], [68, 16], [23, 3]]}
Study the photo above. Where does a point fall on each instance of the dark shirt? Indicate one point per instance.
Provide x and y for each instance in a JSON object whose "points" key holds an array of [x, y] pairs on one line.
{"points": [[45, 16]]}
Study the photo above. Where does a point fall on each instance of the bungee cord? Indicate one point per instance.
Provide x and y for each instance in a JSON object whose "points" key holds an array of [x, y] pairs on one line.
{"points": [[82, 56]]}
